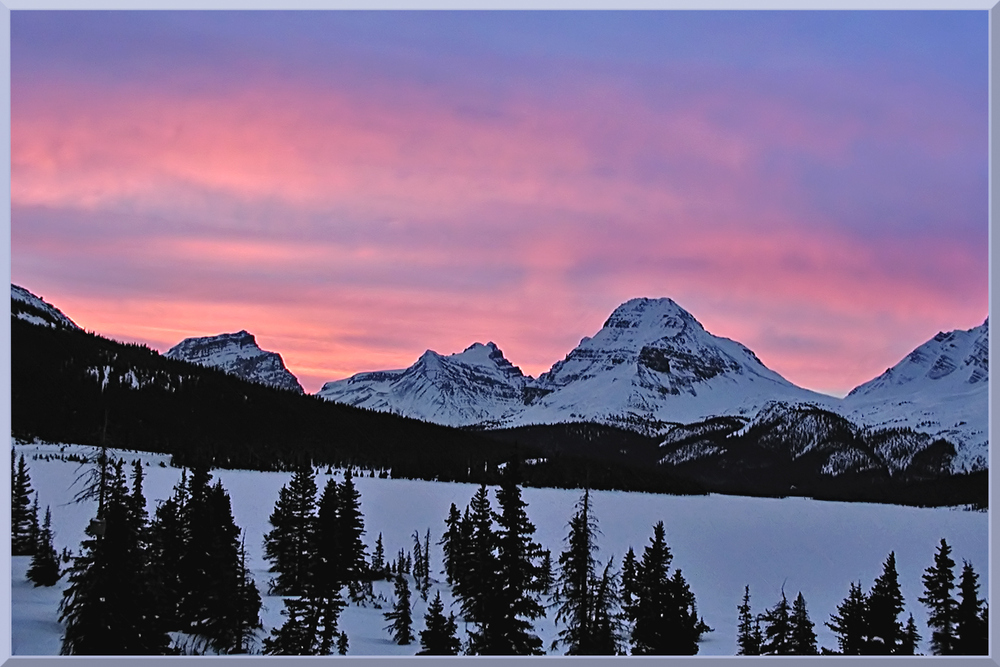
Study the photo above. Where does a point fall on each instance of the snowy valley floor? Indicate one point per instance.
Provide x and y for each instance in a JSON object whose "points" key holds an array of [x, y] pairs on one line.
{"points": [[721, 543]]}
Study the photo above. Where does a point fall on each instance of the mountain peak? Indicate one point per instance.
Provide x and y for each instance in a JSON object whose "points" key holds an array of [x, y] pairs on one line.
{"points": [[237, 354]]}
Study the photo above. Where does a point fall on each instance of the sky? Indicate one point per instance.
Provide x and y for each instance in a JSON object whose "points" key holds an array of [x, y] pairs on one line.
{"points": [[357, 187]]}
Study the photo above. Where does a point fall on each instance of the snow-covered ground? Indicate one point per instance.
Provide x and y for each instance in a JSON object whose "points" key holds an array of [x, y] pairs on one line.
{"points": [[721, 543]]}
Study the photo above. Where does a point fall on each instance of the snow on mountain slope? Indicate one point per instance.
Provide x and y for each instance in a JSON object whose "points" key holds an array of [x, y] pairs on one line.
{"points": [[239, 355], [653, 362], [31, 308], [941, 388], [471, 387]]}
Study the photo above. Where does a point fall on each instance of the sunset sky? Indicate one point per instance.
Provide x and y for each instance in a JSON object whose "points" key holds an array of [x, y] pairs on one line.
{"points": [[357, 187]]}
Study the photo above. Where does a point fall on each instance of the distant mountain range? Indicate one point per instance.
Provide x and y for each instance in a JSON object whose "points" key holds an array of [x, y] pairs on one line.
{"points": [[653, 367], [702, 407]]}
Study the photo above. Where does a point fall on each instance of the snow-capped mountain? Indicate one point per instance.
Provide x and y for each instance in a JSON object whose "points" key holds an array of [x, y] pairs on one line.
{"points": [[239, 355], [475, 386], [653, 363], [941, 388], [34, 309]]}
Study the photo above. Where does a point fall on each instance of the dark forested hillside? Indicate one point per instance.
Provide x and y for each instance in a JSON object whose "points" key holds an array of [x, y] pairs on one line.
{"points": [[73, 386]]}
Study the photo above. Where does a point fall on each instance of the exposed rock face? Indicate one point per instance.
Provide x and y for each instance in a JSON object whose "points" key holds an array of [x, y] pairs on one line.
{"points": [[237, 354]]}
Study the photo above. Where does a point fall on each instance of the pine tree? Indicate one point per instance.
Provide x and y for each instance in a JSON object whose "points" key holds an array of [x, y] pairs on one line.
{"points": [[850, 622], [778, 629], [378, 558], [575, 590], [330, 571], [939, 580], [21, 521], [44, 569], [106, 607], [545, 576], [440, 634], [971, 632], [351, 528], [911, 638], [299, 634], [290, 545], [476, 584], [450, 543], [803, 637], [885, 604], [418, 558], [400, 614], [629, 583], [608, 637], [168, 544], [746, 639], [516, 600], [246, 616], [663, 611]]}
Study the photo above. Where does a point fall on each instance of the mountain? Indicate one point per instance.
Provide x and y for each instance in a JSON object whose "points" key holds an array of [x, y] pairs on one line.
{"points": [[26, 306], [651, 365], [941, 389], [237, 354], [475, 386]]}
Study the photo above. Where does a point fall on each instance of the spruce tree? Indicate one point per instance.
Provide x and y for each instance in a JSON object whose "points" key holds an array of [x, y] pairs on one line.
{"points": [[342, 643], [44, 568], [440, 634], [351, 527], [21, 520], [290, 544], [803, 637], [477, 581], [516, 601], [451, 543], [885, 604], [330, 571], [378, 558], [911, 638], [629, 583], [663, 611], [971, 632], [939, 580], [777, 629], [746, 638], [168, 545], [299, 634], [575, 592], [106, 607], [850, 622], [400, 628]]}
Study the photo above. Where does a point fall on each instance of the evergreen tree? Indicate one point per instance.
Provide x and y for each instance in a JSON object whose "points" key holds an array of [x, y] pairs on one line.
{"points": [[971, 632], [629, 582], [342, 643], [34, 532], [299, 634], [911, 638], [400, 614], [607, 626], [545, 577], [517, 597], [778, 629], [885, 604], [330, 571], [663, 612], [450, 543], [290, 545], [168, 544], [352, 527], [22, 522], [44, 569], [477, 582], [246, 616], [418, 558], [746, 638], [850, 622], [803, 637], [575, 590], [939, 580], [378, 558], [440, 634], [106, 607]]}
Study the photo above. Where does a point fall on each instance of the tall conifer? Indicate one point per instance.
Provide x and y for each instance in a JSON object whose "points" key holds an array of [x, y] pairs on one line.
{"points": [[939, 581]]}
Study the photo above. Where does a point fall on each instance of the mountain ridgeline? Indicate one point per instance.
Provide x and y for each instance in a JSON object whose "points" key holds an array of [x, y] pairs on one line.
{"points": [[651, 402]]}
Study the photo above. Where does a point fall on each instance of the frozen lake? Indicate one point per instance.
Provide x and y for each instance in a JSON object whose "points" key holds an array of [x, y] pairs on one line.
{"points": [[721, 543]]}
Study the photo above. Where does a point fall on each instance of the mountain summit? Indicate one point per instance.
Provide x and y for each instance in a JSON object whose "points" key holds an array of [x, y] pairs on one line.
{"points": [[475, 386], [651, 363], [237, 354]]}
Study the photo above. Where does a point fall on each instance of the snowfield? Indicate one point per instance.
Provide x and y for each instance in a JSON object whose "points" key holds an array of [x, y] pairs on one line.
{"points": [[721, 543]]}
